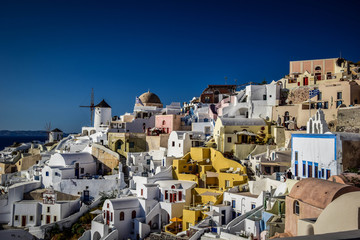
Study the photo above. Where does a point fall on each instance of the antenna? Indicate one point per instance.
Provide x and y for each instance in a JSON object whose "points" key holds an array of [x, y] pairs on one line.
{"points": [[91, 106]]}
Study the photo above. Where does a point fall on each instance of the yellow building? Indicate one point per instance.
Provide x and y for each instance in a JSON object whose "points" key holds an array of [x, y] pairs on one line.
{"points": [[124, 143], [213, 173], [240, 136]]}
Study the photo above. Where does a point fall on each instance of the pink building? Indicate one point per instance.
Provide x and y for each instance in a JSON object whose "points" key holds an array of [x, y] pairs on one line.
{"points": [[168, 123]]}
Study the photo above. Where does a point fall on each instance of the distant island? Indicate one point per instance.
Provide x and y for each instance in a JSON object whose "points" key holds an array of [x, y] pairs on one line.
{"points": [[22, 133]]}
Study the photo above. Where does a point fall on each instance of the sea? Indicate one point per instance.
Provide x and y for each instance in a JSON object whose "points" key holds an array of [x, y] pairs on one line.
{"points": [[6, 141]]}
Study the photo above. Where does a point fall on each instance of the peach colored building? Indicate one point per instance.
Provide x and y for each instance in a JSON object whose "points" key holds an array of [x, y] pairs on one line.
{"points": [[168, 123], [333, 95], [308, 198]]}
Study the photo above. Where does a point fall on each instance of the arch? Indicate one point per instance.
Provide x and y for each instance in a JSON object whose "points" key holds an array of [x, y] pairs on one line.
{"points": [[85, 133], [309, 229], [296, 207], [118, 144], [317, 68], [133, 214], [92, 132], [96, 236]]}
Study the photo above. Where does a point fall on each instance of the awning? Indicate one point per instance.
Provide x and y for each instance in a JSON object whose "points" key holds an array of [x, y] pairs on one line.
{"points": [[246, 133]]}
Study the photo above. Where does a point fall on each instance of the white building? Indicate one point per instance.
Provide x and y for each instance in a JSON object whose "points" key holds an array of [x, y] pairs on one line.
{"points": [[242, 202], [67, 166], [180, 142], [135, 217], [256, 101], [55, 135], [46, 207]]}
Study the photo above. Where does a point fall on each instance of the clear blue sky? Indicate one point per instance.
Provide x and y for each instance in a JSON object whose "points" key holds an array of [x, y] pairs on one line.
{"points": [[53, 52]]}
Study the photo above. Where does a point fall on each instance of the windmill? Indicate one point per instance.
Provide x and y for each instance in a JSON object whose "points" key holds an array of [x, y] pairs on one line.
{"points": [[91, 107]]}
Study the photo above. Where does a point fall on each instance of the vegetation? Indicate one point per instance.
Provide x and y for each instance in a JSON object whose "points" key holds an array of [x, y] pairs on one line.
{"points": [[76, 230]]}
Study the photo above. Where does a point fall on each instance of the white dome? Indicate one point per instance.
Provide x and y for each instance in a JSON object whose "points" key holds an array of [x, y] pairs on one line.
{"points": [[68, 159]]}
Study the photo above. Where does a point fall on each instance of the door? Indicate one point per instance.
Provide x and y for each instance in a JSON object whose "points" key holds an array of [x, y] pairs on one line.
{"points": [[77, 170], [107, 217], [223, 217], [306, 81], [47, 219], [23, 221]]}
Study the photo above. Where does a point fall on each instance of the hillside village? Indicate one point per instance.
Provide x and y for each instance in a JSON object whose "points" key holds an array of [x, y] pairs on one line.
{"points": [[262, 161]]}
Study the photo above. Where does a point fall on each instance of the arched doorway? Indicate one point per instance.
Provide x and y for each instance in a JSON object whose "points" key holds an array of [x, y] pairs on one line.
{"points": [[118, 144], [96, 236]]}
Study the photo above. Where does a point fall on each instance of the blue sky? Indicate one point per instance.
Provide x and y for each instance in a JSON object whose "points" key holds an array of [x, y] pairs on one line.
{"points": [[53, 52]]}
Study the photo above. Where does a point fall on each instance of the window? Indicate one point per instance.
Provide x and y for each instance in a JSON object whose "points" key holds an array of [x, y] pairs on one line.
{"points": [[122, 216], [107, 205], [319, 105], [142, 192], [326, 105], [319, 96], [47, 173], [48, 209], [296, 168], [180, 195], [277, 169], [179, 144], [316, 170], [111, 217], [166, 194], [42, 216], [173, 143], [317, 68], [264, 97], [304, 169], [253, 205], [322, 173], [233, 203], [309, 169], [328, 173], [328, 75], [133, 214], [296, 155], [31, 218], [339, 95], [16, 217], [131, 144], [338, 103], [82, 170], [54, 218], [227, 183], [229, 140], [163, 122], [268, 170], [296, 208]]}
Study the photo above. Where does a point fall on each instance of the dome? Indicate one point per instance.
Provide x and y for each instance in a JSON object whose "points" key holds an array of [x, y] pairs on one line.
{"points": [[150, 99]]}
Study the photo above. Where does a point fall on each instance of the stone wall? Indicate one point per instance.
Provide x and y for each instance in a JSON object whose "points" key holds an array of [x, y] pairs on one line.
{"points": [[351, 152], [155, 142], [348, 120], [107, 160]]}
